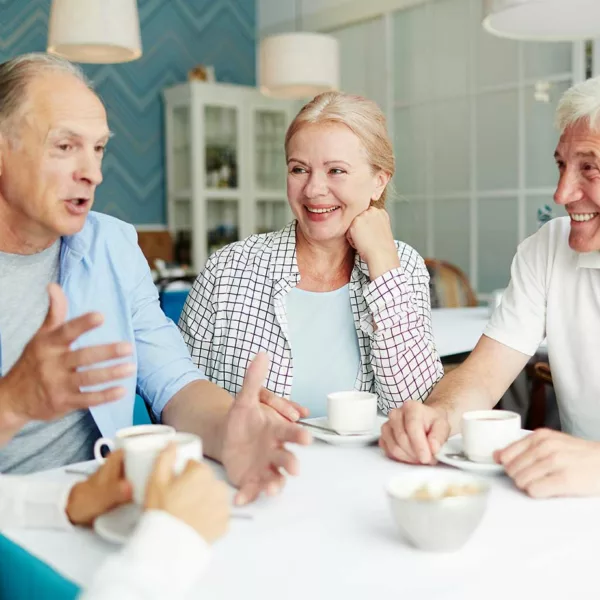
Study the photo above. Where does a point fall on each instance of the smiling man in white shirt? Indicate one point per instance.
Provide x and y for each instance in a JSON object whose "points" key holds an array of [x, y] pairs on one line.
{"points": [[554, 293]]}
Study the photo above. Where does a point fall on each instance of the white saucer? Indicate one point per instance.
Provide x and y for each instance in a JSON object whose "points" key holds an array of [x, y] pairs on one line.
{"points": [[363, 439], [117, 525], [455, 446]]}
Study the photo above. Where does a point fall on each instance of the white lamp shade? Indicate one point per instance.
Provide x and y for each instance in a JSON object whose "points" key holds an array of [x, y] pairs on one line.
{"points": [[95, 31], [543, 20], [298, 65]]}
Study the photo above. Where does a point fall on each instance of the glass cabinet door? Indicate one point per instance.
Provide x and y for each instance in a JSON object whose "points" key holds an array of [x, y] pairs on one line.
{"points": [[221, 147], [222, 223], [271, 215], [269, 155], [182, 159]]}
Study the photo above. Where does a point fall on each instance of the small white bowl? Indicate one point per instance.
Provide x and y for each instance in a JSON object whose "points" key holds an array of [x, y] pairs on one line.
{"points": [[442, 523]]}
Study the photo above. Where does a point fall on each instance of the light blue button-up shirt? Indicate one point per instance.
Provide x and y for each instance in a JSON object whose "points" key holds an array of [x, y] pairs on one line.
{"points": [[103, 269]]}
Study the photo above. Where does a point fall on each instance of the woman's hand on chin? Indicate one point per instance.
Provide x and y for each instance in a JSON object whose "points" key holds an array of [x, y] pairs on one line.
{"points": [[370, 234]]}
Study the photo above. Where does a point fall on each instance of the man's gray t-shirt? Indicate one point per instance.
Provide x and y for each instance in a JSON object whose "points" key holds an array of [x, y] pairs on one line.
{"points": [[23, 307]]}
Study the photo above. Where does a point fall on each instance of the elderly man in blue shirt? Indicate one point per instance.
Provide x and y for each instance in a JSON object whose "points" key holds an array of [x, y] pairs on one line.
{"points": [[80, 324]]}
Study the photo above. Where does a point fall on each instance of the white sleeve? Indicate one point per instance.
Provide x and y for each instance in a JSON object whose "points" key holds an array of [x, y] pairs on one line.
{"points": [[25, 502], [163, 559], [519, 322]]}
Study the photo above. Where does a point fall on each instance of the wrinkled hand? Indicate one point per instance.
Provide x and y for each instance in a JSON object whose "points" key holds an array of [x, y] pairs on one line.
{"points": [[45, 382], [550, 463], [254, 440], [195, 496], [414, 433], [292, 411], [106, 489], [371, 236]]}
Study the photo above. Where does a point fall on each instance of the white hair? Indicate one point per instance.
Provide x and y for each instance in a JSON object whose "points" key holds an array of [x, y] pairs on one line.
{"points": [[15, 76], [580, 103]]}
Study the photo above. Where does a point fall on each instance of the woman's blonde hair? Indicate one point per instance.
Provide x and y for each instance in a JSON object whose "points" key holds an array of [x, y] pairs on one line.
{"points": [[363, 117]]}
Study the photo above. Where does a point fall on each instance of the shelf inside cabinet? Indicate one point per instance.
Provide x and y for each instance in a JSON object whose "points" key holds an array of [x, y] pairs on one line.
{"points": [[270, 195], [271, 215], [183, 196], [231, 136], [223, 217], [221, 194]]}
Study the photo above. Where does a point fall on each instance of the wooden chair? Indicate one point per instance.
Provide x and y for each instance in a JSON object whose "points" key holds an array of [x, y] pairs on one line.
{"points": [[156, 244], [450, 287], [541, 376]]}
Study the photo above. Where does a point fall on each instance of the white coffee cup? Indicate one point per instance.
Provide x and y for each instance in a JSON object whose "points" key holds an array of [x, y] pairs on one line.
{"points": [[352, 412], [141, 453], [485, 431], [127, 432]]}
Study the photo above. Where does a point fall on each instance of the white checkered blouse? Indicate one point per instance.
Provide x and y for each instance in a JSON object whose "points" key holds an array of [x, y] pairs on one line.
{"points": [[237, 307]]}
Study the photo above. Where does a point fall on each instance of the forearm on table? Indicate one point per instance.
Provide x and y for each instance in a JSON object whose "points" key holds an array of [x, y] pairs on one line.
{"points": [[201, 407], [480, 382], [459, 391]]}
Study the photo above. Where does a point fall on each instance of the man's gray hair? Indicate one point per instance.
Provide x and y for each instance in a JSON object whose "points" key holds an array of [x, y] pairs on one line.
{"points": [[17, 73], [580, 103]]}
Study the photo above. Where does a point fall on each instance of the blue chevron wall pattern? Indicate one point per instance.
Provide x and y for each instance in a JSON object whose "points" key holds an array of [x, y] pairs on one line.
{"points": [[176, 35]]}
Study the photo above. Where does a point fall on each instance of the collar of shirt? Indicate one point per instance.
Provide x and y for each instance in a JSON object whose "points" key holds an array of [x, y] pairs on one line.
{"points": [[283, 264], [74, 249]]}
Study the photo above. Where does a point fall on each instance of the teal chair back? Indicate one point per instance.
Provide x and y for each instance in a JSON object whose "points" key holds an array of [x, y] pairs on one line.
{"points": [[140, 412], [23, 576]]}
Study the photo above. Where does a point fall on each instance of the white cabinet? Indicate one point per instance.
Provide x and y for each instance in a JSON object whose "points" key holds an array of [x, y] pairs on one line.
{"points": [[225, 161]]}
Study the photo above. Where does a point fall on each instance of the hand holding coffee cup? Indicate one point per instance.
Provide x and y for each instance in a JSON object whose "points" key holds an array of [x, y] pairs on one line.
{"points": [[141, 453], [485, 431], [104, 490], [195, 496], [128, 432]]}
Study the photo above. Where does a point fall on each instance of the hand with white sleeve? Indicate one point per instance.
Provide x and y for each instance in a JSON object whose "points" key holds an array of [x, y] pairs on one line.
{"points": [[195, 496], [106, 489]]}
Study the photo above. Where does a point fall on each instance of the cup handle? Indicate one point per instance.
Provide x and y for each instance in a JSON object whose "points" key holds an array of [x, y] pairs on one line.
{"points": [[98, 448]]}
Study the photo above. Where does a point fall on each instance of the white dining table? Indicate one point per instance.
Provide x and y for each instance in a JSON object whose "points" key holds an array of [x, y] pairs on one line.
{"points": [[330, 535], [457, 330]]}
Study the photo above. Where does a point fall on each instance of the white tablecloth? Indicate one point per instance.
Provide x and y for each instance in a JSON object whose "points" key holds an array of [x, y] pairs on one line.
{"points": [[330, 535]]}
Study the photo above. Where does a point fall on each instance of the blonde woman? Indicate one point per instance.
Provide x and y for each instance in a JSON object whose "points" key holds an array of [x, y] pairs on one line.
{"points": [[334, 300]]}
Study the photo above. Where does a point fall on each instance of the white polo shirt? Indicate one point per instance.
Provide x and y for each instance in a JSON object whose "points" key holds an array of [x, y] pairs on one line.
{"points": [[554, 292]]}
